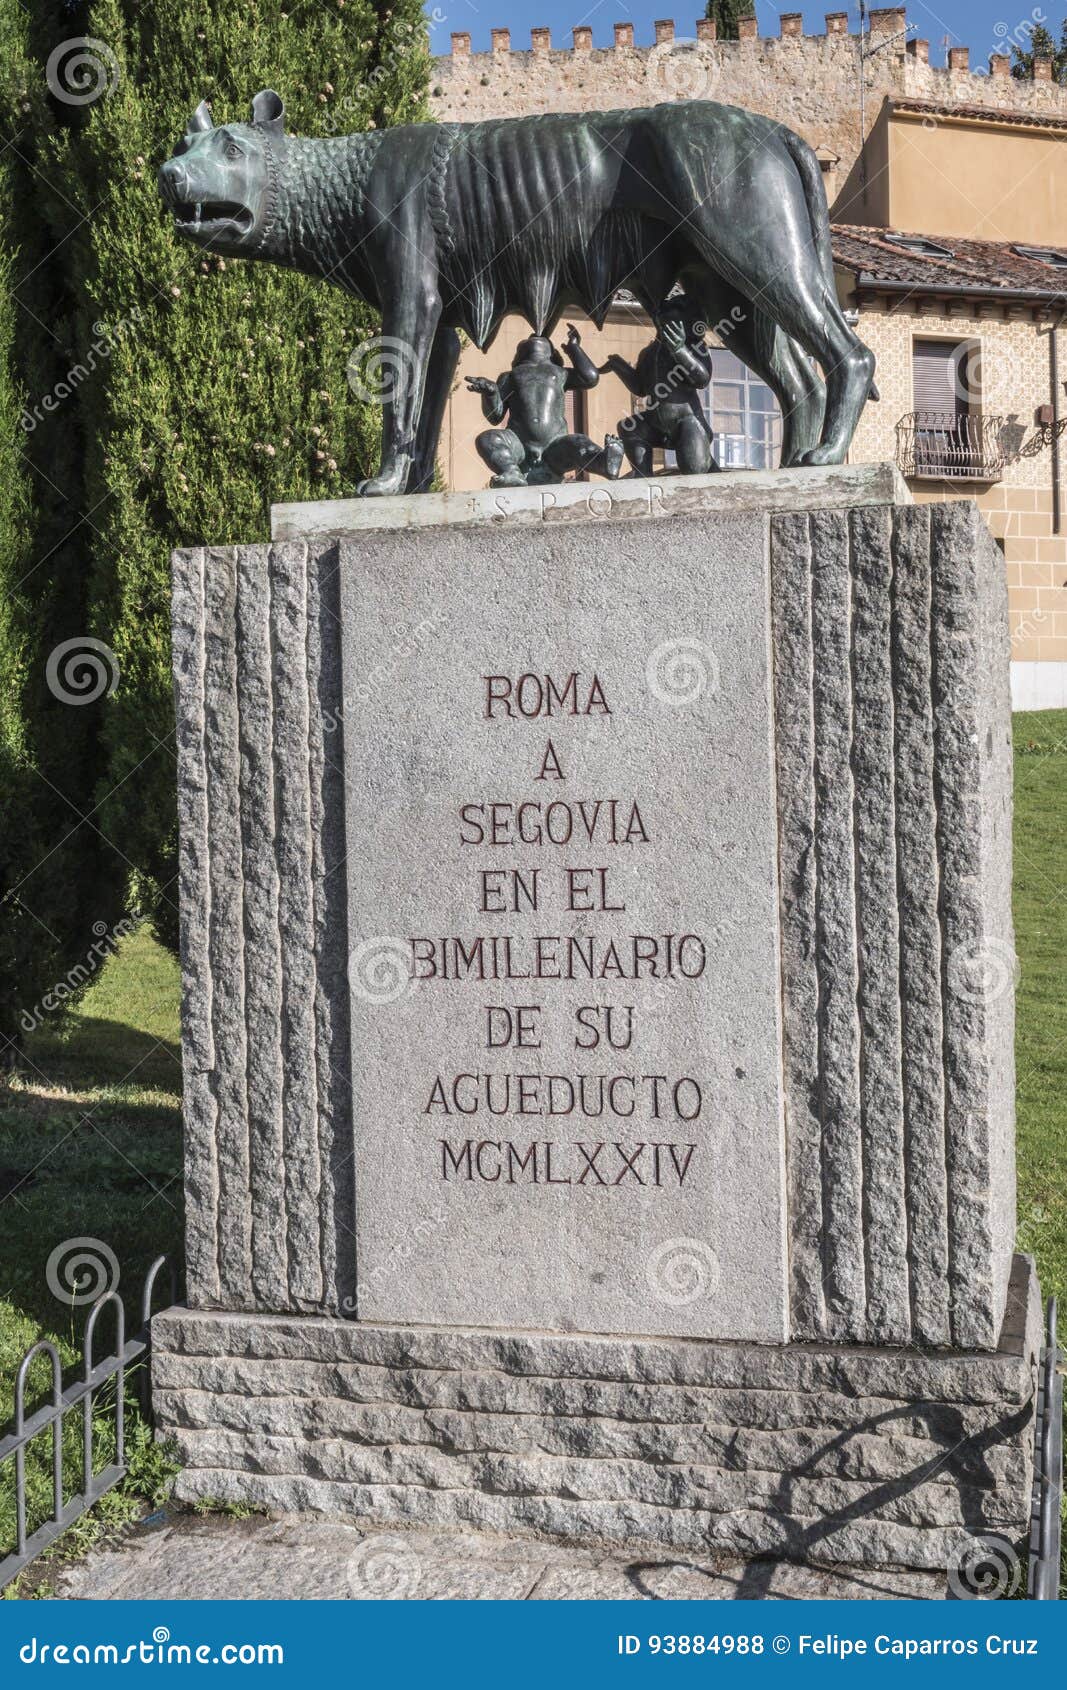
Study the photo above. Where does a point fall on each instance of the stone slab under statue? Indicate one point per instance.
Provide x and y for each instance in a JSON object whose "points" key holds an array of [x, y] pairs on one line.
{"points": [[598, 1004]]}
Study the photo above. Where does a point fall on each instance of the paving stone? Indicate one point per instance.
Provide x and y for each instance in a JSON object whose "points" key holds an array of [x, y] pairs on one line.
{"points": [[309, 1559]]}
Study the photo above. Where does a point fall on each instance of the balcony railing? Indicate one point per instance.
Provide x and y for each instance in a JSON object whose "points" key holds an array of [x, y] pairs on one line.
{"points": [[946, 445]]}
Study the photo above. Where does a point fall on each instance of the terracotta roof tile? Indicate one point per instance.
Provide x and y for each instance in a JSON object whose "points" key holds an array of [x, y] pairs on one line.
{"points": [[972, 263], [999, 114]]}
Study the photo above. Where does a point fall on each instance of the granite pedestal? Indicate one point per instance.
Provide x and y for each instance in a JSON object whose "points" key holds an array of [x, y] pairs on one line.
{"points": [[598, 981]]}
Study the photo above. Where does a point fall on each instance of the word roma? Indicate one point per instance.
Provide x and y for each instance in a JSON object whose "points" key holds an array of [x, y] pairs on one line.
{"points": [[493, 1159], [542, 695], [502, 956]]}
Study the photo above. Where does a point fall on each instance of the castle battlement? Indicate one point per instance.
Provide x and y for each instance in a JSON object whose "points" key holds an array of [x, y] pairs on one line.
{"points": [[809, 82], [887, 21]]}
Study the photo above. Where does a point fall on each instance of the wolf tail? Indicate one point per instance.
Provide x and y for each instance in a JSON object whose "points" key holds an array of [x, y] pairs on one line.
{"points": [[808, 170], [807, 167]]}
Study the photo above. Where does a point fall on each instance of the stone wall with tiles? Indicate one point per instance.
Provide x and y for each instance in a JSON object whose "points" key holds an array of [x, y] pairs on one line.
{"points": [[1015, 378], [810, 82]]}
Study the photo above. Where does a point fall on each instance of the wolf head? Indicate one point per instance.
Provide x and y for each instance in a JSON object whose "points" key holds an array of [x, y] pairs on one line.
{"points": [[220, 183]]}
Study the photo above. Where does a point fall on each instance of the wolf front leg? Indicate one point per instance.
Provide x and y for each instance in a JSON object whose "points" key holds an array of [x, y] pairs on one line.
{"points": [[409, 325], [444, 356]]}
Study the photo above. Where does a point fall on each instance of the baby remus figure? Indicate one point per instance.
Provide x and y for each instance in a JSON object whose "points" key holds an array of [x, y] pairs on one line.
{"points": [[534, 447], [671, 372]]}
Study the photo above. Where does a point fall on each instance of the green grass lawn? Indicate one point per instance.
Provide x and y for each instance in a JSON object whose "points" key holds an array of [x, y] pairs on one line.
{"points": [[90, 1133], [1041, 1005], [90, 1147]]}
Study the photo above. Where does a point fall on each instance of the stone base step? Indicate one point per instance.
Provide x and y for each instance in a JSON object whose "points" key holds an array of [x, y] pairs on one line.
{"points": [[298, 1558], [818, 1454]]}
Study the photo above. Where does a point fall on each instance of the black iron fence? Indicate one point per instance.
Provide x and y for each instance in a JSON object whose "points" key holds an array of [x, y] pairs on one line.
{"points": [[1043, 1582], [952, 446], [83, 1394]]}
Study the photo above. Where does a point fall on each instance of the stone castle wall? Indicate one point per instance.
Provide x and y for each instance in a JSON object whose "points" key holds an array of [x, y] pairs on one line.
{"points": [[810, 82]]}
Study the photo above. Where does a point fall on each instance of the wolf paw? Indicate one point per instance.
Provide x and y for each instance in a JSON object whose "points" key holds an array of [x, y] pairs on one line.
{"points": [[377, 485]]}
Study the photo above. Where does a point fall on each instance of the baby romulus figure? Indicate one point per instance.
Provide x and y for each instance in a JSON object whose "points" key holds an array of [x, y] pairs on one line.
{"points": [[534, 446], [671, 372]]}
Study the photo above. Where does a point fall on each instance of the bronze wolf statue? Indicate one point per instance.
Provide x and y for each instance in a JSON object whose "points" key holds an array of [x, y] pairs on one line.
{"points": [[446, 226]]}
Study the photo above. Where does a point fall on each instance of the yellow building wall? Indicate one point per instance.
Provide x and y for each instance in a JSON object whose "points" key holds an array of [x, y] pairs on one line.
{"points": [[1014, 381], [864, 195], [983, 181]]}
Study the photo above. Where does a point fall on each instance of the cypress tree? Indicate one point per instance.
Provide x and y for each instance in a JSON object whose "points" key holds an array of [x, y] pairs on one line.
{"points": [[59, 891], [213, 387], [727, 14], [1041, 45], [14, 559]]}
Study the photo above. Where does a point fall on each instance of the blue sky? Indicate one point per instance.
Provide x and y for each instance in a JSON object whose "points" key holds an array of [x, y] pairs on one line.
{"points": [[981, 25]]}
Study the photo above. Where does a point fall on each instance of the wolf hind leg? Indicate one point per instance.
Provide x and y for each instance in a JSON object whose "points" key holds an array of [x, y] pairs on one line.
{"points": [[781, 274], [754, 337]]}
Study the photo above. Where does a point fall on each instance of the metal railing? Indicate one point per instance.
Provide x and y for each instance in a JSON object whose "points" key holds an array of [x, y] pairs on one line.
{"points": [[80, 1393], [1043, 1581], [949, 445]]}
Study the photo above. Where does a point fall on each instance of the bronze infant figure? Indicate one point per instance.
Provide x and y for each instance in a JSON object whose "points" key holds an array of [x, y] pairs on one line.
{"points": [[535, 447], [671, 373]]}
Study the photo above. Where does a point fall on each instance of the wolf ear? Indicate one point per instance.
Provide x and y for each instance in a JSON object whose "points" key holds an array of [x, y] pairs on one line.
{"points": [[268, 110], [198, 124]]}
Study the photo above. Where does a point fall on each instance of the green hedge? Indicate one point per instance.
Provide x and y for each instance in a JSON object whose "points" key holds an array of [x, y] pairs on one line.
{"points": [[193, 392]]}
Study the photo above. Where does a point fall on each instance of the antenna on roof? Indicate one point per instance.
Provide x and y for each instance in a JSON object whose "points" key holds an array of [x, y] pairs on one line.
{"points": [[866, 51]]}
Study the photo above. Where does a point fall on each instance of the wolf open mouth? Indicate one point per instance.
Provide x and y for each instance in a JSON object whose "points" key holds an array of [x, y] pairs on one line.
{"points": [[206, 215]]}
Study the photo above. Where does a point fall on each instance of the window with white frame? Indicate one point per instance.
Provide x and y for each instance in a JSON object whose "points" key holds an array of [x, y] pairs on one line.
{"points": [[744, 416]]}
